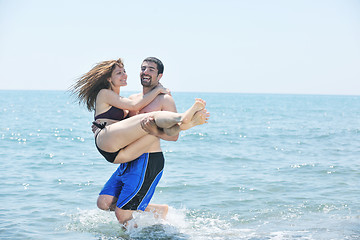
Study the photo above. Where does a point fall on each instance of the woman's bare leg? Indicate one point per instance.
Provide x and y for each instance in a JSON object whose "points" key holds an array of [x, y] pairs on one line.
{"points": [[135, 149], [166, 120], [120, 134], [200, 117], [173, 131], [140, 146]]}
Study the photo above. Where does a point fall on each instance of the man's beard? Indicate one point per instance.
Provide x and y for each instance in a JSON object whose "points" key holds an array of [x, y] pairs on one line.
{"points": [[147, 82]]}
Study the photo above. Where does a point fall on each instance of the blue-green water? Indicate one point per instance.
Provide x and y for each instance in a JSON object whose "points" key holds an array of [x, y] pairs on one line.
{"points": [[264, 167]]}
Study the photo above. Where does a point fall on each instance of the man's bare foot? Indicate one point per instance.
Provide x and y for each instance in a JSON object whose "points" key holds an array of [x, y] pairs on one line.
{"points": [[127, 226], [196, 107]]}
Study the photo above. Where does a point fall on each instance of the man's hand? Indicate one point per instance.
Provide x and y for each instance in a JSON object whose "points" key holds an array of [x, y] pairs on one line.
{"points": [[149, 125], [94, 127]]}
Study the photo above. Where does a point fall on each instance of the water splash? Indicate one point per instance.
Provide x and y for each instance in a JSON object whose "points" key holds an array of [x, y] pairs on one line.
{"points": [[180, 224]]}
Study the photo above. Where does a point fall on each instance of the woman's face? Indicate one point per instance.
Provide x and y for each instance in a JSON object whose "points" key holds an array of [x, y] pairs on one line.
{"points": [[118, 77]]}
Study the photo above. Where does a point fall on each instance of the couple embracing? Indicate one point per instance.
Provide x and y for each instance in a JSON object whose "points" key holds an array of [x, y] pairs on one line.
{"points": [[128, 132]]}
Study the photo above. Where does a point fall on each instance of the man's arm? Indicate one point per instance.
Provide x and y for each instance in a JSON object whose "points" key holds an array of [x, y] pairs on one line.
{"points": [[168, 104]]}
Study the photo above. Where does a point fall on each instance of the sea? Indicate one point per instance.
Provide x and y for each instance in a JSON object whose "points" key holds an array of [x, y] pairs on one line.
{"points": [[265, 166]]}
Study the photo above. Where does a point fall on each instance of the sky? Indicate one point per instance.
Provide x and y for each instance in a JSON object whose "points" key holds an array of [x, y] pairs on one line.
{"points": [[253, 46]]}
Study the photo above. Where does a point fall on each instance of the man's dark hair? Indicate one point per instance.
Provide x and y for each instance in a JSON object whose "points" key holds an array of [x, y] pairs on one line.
{"points": [[159, 64]]}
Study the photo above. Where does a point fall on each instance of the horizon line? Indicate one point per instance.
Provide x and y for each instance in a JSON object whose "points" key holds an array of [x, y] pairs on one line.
{"points": [[223, 92]]}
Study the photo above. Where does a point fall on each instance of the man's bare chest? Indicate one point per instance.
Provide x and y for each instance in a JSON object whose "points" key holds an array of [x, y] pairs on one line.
{"points": [[155, 105]]}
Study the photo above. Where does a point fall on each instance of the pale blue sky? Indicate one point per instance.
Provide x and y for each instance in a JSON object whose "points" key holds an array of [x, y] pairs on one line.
{"points": [[258, 46]]}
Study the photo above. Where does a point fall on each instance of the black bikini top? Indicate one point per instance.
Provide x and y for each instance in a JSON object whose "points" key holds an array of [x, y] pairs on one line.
{"points": [[113, 113]]}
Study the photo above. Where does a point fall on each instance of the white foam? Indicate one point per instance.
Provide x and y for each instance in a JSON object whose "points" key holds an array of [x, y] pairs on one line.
{"points": [[95, 221], [180, 224]]}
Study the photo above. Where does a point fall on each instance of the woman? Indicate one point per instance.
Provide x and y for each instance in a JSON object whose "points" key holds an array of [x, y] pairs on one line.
{"points": [[119, 138]]}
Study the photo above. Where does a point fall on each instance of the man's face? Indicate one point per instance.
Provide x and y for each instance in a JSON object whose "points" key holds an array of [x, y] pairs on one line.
{"points": [[149, 74]]}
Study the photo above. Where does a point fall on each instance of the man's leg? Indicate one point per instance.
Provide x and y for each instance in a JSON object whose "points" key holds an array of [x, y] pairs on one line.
{"points": [[110, 192], [158, 210], [123, 216], [106, 202], [134, 185]]}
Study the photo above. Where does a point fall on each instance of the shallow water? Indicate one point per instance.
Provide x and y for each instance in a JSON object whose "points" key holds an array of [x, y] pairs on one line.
{"points": [[264, 167]]}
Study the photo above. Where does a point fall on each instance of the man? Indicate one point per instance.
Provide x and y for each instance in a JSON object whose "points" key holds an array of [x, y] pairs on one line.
{"points": [[132, 185]]}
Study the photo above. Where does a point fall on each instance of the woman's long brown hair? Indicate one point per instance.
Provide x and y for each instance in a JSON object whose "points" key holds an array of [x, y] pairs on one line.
{"points": [[87, 87]]}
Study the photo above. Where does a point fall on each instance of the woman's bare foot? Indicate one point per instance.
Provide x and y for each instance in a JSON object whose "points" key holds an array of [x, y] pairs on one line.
{"points": [[196, 107], [200, 118]]}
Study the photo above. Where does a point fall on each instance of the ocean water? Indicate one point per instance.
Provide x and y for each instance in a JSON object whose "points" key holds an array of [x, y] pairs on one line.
{"points": [[264, 167]]}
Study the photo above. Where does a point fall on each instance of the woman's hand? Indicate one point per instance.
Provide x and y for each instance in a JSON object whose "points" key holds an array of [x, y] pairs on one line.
{"points": [[162, 90]]}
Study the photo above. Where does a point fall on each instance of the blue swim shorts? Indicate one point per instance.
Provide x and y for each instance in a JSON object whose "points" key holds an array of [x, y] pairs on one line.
{"points": [[134, 183]]}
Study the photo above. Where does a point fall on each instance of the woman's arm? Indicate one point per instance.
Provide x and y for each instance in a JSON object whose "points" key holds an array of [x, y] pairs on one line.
{"points": [[111, 98]]}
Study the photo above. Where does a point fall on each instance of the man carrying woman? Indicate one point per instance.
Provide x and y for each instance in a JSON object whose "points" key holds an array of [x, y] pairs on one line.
{"points": [[129, 132]]}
